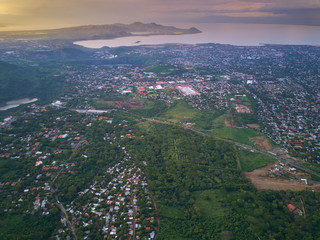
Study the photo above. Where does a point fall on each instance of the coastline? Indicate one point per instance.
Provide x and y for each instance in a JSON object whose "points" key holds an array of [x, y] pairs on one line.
{"points": [[17, 103], [236, 34]]}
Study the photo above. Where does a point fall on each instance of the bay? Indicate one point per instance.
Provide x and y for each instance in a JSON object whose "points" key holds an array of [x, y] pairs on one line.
{"points": [[224, 33]]}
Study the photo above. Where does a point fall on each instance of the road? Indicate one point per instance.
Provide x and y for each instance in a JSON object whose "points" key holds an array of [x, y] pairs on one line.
{"points": [[284, 160], [156, 208], [62, 209], [64, 213]]}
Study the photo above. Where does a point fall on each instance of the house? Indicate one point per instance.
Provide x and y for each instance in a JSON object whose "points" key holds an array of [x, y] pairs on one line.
{"points": [[291, 207]]}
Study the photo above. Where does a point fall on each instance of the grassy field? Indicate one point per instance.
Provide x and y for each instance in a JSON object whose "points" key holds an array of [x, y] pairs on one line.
{"points": [[150, 108], [251, 160], [240, 135], [180, 112], [204, 120], [219, 121], [237, 134], [101, 104], [244, 101], [166, 70], [208, 203]]}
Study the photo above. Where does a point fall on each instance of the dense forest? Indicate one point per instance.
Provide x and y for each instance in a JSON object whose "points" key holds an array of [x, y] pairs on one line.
{"points": [[28, 82]]}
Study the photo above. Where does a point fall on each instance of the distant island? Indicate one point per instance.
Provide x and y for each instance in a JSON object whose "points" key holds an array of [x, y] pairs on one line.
{"points": [[94, 32]]}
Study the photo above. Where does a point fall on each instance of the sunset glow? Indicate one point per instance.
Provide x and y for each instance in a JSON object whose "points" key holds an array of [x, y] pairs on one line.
{"points": [[32, 14]]}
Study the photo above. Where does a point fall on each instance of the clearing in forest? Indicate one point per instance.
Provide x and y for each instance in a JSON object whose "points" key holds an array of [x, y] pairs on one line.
{"points": [[262, 180]]}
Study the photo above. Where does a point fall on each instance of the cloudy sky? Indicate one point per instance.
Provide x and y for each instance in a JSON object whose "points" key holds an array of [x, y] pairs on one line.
{"points": [[39, 14]]}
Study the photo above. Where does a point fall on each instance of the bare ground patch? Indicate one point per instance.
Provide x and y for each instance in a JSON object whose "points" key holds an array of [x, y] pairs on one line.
{"points": [[228, 124], [262, 182], [253, 125], [262, 143], [128, 103]]}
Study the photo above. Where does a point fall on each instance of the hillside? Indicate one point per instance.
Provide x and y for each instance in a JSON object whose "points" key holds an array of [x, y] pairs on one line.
{"points": [[97, 32], [20, 82]]}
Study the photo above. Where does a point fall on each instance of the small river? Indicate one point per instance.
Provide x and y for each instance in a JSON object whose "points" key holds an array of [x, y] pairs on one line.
{"points": [[17, 103]]}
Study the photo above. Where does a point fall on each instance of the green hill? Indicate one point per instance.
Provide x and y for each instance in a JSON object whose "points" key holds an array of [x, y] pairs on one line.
{"points": [[21, 82]]}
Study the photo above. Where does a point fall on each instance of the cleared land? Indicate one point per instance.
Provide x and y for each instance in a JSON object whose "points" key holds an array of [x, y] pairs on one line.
{"points": [[261, 142], [262, 182], [128, 103], [253, 125], [228, 124]]}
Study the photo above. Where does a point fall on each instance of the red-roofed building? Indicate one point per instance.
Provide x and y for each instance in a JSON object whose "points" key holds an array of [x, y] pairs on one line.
{"points": [[291, 207]]}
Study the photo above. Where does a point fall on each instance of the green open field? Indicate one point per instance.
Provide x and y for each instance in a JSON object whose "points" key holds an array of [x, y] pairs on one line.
{"points": [[244, 101], [102, 104], [180, 112], [219, 121], [209, 203], [240, 135], [252, 160], [166, 70]]}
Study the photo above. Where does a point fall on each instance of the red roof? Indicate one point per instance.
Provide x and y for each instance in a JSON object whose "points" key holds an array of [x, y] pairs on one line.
{"points": [[291, 207]]}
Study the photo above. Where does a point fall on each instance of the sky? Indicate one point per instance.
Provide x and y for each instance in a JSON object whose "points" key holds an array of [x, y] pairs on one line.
{"points": [[46, 14]]}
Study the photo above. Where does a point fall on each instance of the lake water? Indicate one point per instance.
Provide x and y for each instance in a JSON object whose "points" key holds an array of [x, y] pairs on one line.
{"points": [[17, 102], [224, 33]]}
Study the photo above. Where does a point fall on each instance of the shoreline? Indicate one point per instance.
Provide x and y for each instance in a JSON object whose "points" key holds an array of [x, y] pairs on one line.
{"points": [[16, 103], [241, 35]]}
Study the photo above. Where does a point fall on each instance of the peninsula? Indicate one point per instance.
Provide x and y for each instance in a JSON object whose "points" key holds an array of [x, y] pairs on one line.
{"points": [[92, 32]]}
